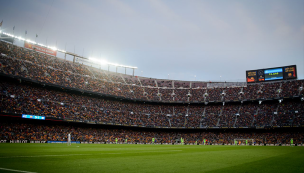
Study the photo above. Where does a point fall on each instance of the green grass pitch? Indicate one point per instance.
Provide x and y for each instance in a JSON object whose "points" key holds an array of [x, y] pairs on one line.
{"points": [[87, 158]]}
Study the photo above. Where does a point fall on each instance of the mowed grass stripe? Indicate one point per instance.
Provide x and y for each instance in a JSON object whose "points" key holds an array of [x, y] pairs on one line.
{"points": [[290, 162], [147, 158]]}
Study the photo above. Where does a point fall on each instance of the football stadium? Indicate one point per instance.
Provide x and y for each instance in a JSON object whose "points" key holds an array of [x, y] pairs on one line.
{"points": [[61, 111]]}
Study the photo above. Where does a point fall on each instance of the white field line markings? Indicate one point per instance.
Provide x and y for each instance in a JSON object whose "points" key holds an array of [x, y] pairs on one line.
{"points": [[47, 155], [14, 170]]}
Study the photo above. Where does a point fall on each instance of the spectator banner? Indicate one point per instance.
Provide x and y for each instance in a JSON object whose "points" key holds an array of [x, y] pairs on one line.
{"points": [[40, 49]]}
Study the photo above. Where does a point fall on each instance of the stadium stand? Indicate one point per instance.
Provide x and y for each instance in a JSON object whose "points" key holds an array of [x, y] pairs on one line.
{"points": [[31, 65], [38, 84], [26, 99], [13, 131]]}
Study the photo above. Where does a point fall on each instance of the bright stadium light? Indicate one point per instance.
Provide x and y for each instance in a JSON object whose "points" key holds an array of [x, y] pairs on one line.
{"points": [[41, 45], [20, 38], [53, 48], [100, 61], [103, 62], [61, 50], [93, 59], [30, 41]]}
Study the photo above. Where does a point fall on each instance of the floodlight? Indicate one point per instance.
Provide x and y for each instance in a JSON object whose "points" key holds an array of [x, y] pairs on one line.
{"points": [[41, 45], [103, 61], [20, 38], [92, 59], [30, 41], [99, 61], [56, 49], [53, 48]]}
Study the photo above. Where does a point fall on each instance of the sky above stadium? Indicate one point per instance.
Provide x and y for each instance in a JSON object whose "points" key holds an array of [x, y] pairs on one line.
{"points": [[177, 39]]}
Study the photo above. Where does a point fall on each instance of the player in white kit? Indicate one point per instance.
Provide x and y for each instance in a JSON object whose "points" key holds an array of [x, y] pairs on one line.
{"points": [[69, 139]]}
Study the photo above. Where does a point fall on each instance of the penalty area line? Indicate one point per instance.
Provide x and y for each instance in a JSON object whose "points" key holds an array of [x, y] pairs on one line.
{"points": [[14, 170]]}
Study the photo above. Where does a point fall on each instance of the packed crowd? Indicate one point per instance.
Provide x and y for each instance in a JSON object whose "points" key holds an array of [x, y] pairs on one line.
{"points": [[33, 132], [19, 98], [30, 64]]}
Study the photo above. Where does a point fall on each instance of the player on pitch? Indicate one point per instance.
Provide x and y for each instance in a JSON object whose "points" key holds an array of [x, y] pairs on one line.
{"points": [[291, 142], [69, 139]]}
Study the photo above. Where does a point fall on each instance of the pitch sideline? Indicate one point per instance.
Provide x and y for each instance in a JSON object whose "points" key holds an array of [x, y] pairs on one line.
{"points": [[14, 170]]}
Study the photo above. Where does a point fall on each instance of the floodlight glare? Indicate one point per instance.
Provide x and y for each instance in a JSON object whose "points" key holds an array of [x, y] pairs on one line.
{"points": [[103, 62], [53, 48], [93, 59], [30, 41], [100, 61], [20, 38]]}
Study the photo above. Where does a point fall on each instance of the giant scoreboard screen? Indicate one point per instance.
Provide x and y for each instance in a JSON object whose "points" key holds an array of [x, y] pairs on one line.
{"points": [[271, 74]]}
